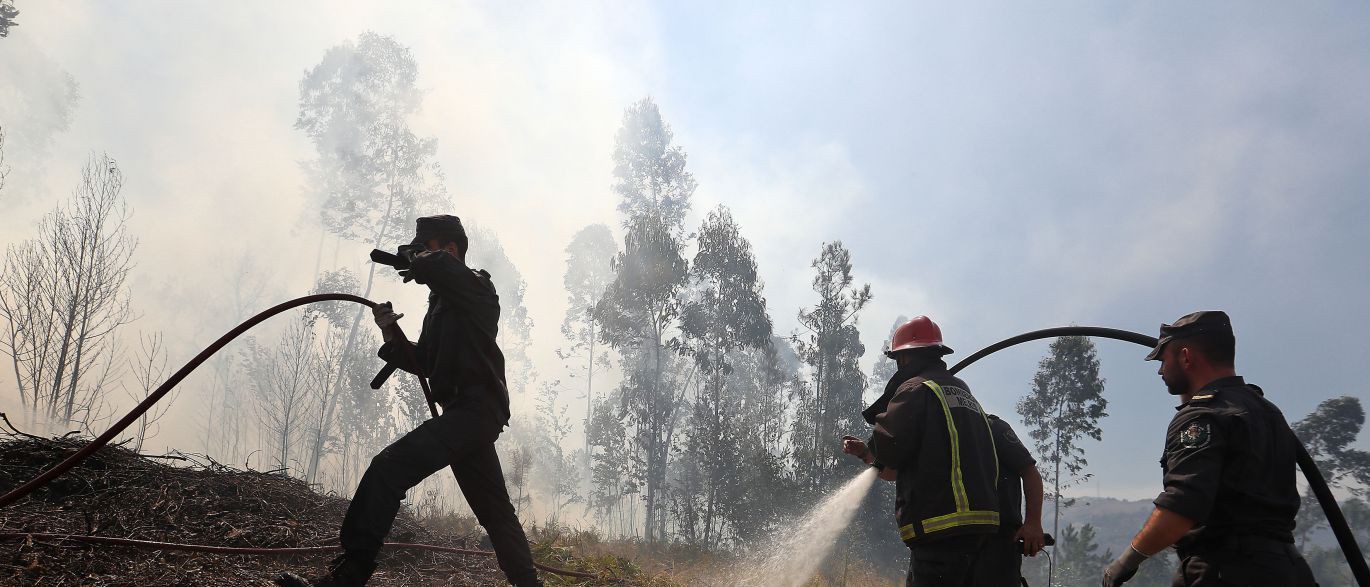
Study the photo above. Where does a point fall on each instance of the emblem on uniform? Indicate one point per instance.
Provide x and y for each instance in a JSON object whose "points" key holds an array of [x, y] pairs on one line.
{"points": [[1195, 435]]}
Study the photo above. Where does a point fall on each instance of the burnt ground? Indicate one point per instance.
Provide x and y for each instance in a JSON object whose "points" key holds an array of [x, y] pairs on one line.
{"points": [[189, 499]]}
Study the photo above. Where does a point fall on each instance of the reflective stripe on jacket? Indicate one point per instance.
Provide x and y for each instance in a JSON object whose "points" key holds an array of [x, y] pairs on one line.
{"points": [[936, 435]]}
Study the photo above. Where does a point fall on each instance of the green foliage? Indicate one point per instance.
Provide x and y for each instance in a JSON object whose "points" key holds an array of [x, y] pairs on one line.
{"points": [[373, 175], [1329, 433], [649, 172], [832, 349], [7, 15]]}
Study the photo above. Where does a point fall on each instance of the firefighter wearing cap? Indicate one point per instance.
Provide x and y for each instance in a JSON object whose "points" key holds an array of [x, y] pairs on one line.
{"points": [[457, 351], [933, 438], [1229, 501]]}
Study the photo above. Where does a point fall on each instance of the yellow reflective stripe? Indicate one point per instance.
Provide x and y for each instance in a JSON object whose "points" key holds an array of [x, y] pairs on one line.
{"points": [[993, 447], [958, 484], [967, 518], [906, 532]]}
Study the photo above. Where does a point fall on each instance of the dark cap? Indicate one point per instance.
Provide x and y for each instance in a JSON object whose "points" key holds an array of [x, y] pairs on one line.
{"points": [[442, 227], [1189, 325]]}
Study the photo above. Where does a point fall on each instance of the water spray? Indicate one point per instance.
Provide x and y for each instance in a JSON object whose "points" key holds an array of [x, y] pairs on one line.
{"points": [[791, 561]]}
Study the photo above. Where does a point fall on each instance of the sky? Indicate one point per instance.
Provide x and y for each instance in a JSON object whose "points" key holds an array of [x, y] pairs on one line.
{"points": [[1000, 168]]}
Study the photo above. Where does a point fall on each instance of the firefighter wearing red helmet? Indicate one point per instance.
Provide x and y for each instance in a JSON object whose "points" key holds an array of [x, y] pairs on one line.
{"points": [[933, 438]]}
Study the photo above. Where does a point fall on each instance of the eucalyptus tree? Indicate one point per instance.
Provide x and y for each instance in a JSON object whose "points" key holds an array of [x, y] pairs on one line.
{"points": [[640, 310], [831, 347], [1064, 407], [589, 270], [726, 313], [372, 175]]}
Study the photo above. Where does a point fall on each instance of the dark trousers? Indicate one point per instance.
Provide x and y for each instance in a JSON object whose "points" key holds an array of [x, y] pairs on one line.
{"points": [[949, 562], [1001, 561], [1250, 562], [463, 437]]}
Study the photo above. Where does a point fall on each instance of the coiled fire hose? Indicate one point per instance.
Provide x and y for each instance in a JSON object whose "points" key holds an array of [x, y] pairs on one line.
{"points": [[1335, 518], [19, 492]]}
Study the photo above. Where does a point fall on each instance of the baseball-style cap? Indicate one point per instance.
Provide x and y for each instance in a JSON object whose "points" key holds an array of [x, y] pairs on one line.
{"points": [[1190, 325], [443, 226]]}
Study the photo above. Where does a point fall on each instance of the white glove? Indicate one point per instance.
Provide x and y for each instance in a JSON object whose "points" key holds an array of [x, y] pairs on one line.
{"points": [[386, 319]]}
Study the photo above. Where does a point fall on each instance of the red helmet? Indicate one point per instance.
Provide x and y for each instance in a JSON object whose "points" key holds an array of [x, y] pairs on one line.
{"points": [[920, 332]]}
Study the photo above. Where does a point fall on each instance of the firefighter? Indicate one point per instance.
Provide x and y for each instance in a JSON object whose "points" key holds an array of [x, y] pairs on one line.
{"points": [[1229, 501], [458, 352], [933, 438]]}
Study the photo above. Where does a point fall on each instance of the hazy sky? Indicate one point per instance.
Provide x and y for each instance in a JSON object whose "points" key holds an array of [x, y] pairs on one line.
{"points": [[1001, 168]]}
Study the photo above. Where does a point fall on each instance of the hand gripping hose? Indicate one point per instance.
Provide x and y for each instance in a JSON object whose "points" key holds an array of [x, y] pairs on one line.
{"points": [[66, 465], [1345, 538]]}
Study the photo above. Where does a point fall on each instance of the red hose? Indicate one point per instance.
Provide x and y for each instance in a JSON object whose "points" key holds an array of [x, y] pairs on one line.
{"points": [[287, 551], [66, 465]]}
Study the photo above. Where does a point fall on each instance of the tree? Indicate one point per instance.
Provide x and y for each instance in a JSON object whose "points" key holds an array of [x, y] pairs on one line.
{"points": [[639, 312], [557, 466], [283, 379], [372, 175], [589, 258], [649, 172], [148, 369], [831, 348], [515, 324], [726, 313], [228, 403], [640, 309], [1329, 433], [63, 296], [1064, 407], [38, 100], [7, 15], [1079, 556]]}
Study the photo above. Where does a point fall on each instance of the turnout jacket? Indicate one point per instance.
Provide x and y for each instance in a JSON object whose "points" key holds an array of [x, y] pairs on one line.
{"points": [[931, 429], [456, 349]]}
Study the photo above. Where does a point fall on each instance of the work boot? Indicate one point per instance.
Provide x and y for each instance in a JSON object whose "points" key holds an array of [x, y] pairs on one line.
{"points": [[343, 572]]}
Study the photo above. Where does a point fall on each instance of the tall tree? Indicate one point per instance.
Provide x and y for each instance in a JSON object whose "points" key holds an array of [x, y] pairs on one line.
{"points": [[649, 171], [64, 297], [589, 258], [1064, 408], [726, 313], [38, 100], [372, 175], [641, 307], [831, 347], [639, 312], [1329, 433]]}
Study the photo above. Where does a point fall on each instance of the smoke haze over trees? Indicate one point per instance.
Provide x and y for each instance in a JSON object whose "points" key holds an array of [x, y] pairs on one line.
{"points": [[695, 285]]}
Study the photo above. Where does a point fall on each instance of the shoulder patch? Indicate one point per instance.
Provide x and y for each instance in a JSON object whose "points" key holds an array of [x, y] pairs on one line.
{"points": [[1196, 434]]}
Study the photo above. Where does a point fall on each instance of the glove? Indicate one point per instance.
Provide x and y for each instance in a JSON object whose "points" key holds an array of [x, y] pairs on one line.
{"points": [[1124, 568], [409, 274], [386, 318]]}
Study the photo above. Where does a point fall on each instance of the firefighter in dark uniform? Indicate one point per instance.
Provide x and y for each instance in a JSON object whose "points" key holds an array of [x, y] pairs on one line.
{"points": [[1001, 560], [1229, 501], [458, 352], [933, 438]]}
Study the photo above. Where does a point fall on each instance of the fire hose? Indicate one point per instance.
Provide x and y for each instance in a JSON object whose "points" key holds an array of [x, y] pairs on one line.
{"points": [[19, 492], [1335, 518]]}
